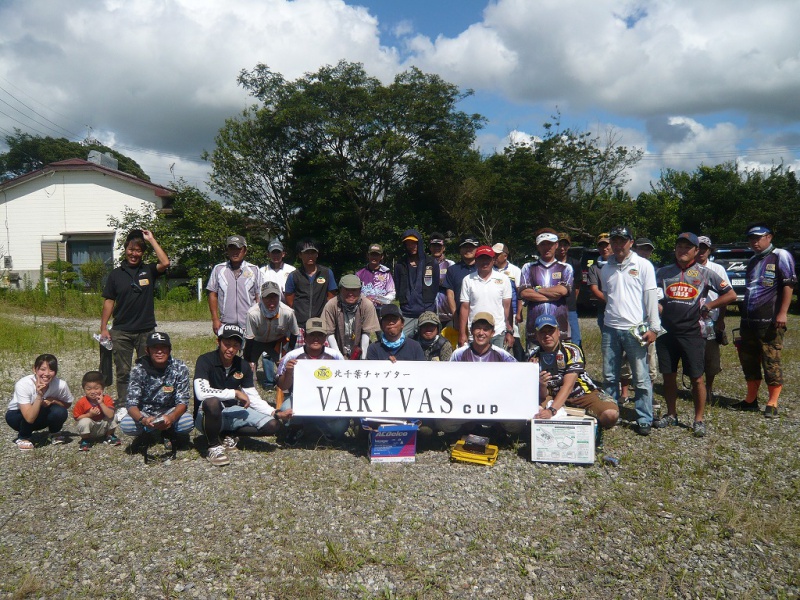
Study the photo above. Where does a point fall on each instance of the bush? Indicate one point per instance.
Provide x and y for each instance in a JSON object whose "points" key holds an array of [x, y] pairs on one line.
{"points": [[92, 273], [179, 294]]}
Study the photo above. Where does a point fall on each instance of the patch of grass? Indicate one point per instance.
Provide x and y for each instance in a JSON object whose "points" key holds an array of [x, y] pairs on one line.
{"points": [[28, 586]]}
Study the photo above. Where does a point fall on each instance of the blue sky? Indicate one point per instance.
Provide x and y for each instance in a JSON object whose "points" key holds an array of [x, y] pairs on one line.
{"points": [[687, 82]]}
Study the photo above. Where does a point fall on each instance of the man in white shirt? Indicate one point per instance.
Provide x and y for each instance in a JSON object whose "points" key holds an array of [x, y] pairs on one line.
{"points": [[486, 290], [629, 284], [276, 270], [713, 364]]}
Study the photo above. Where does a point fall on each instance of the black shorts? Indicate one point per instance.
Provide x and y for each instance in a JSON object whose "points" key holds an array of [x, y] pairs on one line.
{"points": [[690, 350]]}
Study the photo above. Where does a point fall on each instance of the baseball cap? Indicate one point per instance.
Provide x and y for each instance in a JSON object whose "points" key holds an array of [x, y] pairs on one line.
{"points": [[546, 237], [389, 310], [315, 325], [483, 316], [307, 245], [270, 287], [484, 251], [413, 238], [275, 245], [236, 240], [689, 237], [158, 339], [643, 241], [603, 237], [376, 248], [429, 317], [500, 248], [469, 241], [350, 281], [758, 230], [230, 331], [545, 321], [621, 231], [437, 238], [704, 239], [564, 237]]}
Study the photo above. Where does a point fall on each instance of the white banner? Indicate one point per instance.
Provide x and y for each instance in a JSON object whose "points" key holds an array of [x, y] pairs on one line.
{"points": [[416, 390]]}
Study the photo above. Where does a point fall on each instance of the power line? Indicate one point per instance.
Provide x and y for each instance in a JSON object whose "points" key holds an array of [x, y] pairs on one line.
{"points": [[34, 112]]}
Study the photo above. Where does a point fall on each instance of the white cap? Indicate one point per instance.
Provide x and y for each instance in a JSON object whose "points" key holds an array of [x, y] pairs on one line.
{"points": [[546, 237]]}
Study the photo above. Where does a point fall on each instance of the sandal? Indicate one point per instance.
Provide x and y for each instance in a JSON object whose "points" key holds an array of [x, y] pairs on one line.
{"points": [[24, 444]]}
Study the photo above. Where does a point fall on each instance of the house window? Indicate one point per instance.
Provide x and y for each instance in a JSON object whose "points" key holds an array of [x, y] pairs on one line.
{"points": [[83, 251]]}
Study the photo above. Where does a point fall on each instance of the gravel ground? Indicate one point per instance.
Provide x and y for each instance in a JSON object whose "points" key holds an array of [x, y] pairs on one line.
{"points": [[680, 517]]}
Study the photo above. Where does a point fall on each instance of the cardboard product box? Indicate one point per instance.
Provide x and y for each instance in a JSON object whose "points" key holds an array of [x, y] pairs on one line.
{"points": [[392, 440], [563, 440]]}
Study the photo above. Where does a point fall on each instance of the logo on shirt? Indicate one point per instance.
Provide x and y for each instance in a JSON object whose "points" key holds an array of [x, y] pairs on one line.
{"points": [[238, 375], [168, 389], [681, 291], [693, 273], [323, 373], [320, 279], [633, 272], [144, 282], [557, 275], [428, 277], [770, 267]]}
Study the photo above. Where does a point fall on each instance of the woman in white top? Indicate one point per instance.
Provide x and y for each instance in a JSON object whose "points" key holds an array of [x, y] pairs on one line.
{"points": [[40, 400]]}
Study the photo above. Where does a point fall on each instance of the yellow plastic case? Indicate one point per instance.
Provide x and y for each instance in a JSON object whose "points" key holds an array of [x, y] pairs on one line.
{"points": [[458, 454]]}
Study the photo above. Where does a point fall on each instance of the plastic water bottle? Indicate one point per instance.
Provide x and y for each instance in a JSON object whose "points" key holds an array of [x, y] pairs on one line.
{"points": [[105, 343], [708, 329]]}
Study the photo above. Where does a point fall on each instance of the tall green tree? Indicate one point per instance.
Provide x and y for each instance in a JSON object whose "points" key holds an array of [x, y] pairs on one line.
{"points": [[337, 145], [27, 153]]}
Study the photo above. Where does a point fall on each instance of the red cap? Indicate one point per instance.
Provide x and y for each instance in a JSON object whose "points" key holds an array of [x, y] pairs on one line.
{"points": [[484, 251]]}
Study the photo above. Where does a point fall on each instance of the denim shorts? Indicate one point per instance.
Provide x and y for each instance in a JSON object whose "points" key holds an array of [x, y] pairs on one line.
{"points": [[235, 417]]}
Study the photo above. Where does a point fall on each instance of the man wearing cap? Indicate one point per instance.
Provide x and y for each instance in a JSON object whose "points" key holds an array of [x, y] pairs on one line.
{"points": [[545, 285], [437, 249], [630, 322], [233, 286], [562, 255], [394, 344], [276, 269], [713, 362], [270, 330], [349, 321], [644, 248], [158, 393], [311, 286], [377, 283], [436, 347], [456, 274], [480, 349], [226, 402], [683, 287], [313, 349], [593, 275], [770, 278], [486, 291], [513, 272], [563, 380], [416, 278], [128, 297]]}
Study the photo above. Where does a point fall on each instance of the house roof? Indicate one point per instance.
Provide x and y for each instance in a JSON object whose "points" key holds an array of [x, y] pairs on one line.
{"points": [[77, 164]]}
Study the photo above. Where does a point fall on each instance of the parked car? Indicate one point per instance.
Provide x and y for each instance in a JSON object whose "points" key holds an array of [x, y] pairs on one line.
{"points": [[734, 258]]}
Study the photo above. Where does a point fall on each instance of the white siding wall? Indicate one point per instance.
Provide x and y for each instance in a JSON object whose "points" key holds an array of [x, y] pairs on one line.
{"points": [[45, 207]]}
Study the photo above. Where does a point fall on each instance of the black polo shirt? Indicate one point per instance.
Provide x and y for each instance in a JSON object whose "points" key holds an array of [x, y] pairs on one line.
{"points": [[209, 367], [132, 291]]}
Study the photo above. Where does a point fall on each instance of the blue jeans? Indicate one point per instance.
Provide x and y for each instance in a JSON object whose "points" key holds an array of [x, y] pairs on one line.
{"points": [[615, 342], [335, 428], [53, 417], [575, 327], [269, 371]]}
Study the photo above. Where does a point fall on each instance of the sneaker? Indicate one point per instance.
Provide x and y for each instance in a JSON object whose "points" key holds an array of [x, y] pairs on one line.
{"points": [[699, 429], [113, 440], [58, 438], [665, 421], [746, 406], [643, 428], [217, 457], [771, 412], [293, 436], [85, 446], [24, 444], [167, 443], [229, 442]]}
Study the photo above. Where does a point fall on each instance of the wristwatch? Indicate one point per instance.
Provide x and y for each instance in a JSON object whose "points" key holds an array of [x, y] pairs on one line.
{"points": [[552, 410]]}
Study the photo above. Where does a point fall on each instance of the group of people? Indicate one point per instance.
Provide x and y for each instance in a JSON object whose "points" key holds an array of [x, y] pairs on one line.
{"points": [[468, 311]]}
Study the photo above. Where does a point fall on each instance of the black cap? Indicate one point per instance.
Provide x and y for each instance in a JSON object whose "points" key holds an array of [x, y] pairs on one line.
{"points": [[158, 339], [621, 231], [229, 330], [389, 310], [643, 241]]}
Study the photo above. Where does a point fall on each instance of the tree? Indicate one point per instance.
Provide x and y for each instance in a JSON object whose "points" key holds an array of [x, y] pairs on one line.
{"points": [[27, 153], [336, 146]]}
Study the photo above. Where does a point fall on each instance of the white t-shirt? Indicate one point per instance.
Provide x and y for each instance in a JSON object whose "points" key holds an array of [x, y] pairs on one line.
{"points": [[712, 295], [624, 286], [512, 271], [25, 392], [487, 295], [280, 276]]}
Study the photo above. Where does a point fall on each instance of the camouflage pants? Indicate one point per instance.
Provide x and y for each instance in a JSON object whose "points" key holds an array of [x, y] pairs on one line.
{"points": [[762, 348]]}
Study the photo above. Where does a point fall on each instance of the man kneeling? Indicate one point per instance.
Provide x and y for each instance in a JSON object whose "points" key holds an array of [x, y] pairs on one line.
{"points": [[563, 380], [226, 401]]}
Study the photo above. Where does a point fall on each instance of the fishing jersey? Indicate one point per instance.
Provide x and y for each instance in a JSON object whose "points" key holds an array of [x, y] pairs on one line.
{"points": [[767, 275], [566, 358], [538, 275], [493, 354], [682, 292]]}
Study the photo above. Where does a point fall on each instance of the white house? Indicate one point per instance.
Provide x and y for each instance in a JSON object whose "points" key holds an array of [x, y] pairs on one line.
{"points": [[65, 208]]}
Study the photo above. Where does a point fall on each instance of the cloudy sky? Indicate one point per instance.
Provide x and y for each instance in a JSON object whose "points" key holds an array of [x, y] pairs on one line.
{"points": [[690, 82]]}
